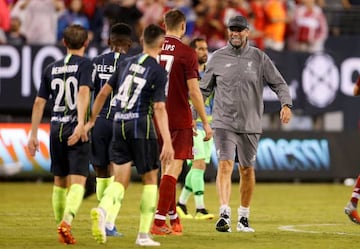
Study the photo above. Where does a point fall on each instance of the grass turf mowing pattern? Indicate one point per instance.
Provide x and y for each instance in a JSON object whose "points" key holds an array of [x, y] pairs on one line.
{"points": [[26, 219]]}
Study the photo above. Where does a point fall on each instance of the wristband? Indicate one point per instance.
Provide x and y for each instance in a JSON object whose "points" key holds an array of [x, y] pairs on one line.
{"points": [[288, 105]]}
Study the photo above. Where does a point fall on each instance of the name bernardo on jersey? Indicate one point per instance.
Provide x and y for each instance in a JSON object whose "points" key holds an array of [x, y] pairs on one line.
{"points": [[64, 69]]}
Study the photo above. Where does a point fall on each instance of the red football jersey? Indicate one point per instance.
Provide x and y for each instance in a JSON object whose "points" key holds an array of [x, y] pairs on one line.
{"points": [[181, 61]]}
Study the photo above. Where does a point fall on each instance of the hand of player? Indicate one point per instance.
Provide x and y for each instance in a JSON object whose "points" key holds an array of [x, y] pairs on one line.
{"points": [[79, 133], [88, 126], [194, 127], [167, 153], [208, 132], [285, 114], [33, 145]]}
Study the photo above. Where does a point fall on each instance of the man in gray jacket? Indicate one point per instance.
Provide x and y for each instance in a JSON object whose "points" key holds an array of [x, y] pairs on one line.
{"points": [[237, 73]]}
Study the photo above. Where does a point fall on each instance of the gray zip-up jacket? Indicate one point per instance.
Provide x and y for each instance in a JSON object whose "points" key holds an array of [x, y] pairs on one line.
{"points": [[238, 76]]}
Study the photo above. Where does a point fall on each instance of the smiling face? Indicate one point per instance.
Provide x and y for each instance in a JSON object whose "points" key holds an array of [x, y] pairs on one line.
{"points": [[238, 36]]}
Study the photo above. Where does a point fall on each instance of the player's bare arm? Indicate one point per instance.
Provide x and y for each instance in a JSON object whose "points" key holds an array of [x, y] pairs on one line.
{"points": [[98, 104], [167, 151], [36, 116], [198, 102], [82, 104]]}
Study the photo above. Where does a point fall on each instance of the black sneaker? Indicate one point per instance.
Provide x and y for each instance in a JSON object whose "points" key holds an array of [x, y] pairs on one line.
{"points": [[243, 226], [182, 211], [224, 223], [203, 214]]}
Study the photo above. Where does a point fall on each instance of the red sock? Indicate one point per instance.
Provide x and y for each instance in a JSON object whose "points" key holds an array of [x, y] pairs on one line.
{"points": [[174, 218], [166, 195], [356, 191]]}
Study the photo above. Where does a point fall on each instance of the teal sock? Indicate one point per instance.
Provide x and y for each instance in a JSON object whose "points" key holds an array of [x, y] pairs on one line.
{"points": [[58, 202], [147, 207], [73, 202], [187, 189], [197, 181]]}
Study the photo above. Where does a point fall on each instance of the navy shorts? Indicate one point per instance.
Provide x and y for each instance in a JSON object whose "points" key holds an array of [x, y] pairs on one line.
{"points": [[144, 153], [101, 135], [69, 160]]}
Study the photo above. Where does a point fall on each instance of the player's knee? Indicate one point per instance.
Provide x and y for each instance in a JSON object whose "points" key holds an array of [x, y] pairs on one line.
{"points": [[246, 171], [225, 169]]}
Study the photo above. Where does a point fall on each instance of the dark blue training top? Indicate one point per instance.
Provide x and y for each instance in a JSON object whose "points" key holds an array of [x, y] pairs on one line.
{"points": [[104, 66], [140, 81], [61, 80]]}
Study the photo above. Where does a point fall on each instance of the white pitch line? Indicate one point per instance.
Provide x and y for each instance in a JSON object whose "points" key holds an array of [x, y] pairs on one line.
{"points": [[292, 228]]}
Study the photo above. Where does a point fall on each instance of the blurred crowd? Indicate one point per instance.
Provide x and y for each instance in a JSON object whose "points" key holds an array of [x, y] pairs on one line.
{"points": [[297, 25]]}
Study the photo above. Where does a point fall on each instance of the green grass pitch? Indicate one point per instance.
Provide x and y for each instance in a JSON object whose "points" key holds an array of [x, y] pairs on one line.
{"points": [[286, 215]]}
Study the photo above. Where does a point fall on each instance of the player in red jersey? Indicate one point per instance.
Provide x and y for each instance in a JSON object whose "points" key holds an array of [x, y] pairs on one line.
{"points": [[180, 61], [351, 207]]}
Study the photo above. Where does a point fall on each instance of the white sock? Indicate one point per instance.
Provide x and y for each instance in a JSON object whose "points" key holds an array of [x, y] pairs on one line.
{"points": [[225, 209], [243, 212], [109, 226]]}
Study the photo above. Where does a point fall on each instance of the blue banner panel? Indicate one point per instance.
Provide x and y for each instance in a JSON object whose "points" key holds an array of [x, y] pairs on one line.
{"points": [[308, 155], [303, 156]]}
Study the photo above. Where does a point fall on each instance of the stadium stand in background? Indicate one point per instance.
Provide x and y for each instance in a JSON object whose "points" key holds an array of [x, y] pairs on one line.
{"points": [[205, 18]]}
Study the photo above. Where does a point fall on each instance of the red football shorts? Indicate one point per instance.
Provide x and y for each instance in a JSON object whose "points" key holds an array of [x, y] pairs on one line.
{"points": [[182, 141]]}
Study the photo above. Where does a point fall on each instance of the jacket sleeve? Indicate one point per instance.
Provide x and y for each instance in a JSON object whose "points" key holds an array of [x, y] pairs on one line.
{"points": [[276, 82]]}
